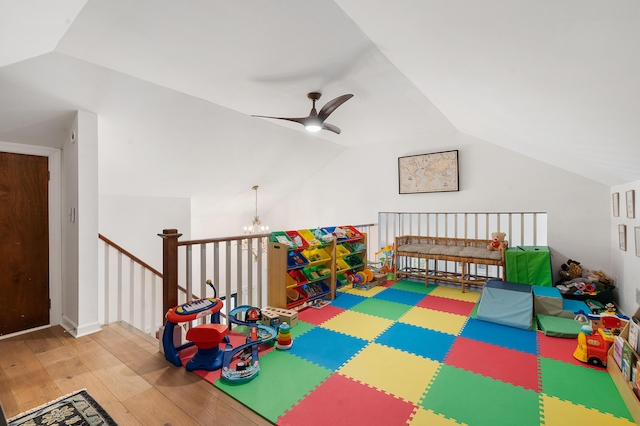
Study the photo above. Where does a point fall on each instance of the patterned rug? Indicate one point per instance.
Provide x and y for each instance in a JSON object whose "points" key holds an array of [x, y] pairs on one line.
{"points": [[77, 409], [409, 354]]}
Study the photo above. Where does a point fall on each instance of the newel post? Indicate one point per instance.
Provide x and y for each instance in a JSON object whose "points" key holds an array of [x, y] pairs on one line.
{"points": [[169, 268]]}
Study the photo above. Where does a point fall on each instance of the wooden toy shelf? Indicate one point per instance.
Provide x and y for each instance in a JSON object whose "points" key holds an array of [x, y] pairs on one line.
{"points": [[309, 268]]}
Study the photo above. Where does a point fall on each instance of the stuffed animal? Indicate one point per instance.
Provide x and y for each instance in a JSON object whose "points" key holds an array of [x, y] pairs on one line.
{"points": [[497, 241], [570, 270]]}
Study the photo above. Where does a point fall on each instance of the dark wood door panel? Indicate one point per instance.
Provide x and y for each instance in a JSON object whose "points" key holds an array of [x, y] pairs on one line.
{"points": [[24, 242]]}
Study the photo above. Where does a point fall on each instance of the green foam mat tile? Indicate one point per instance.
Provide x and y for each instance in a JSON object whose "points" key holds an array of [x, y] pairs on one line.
{"points": [[474, 312], [480, 401], [300, 328], [416, 287], [585, 386], [382, 308], [284, 380]]}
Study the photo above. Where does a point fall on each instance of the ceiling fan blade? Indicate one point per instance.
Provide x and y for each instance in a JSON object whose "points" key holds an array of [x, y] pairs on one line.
{"points": [[295, 120], [331, 127], [332, 105]]}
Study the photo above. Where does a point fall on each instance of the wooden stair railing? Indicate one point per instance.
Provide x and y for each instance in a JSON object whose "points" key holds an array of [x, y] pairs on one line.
{"points": [[144, 266]]}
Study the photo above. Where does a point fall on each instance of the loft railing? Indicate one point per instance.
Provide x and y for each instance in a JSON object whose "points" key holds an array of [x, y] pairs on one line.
{"points": [[131, 289], [522, 229], [236, 267]]}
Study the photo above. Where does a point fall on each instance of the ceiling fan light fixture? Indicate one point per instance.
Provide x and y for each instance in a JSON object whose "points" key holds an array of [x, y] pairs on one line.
{"points": [[315, 121]]}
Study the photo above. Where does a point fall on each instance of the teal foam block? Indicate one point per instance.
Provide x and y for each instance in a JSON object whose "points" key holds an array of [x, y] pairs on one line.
{"points": [[506, 303]]}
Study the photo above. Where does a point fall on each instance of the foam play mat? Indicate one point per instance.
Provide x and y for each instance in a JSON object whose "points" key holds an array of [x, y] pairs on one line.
{"points": [[406, 354]]}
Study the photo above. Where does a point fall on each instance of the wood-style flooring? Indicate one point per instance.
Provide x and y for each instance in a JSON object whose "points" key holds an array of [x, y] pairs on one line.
{"points": [[122, 370]]}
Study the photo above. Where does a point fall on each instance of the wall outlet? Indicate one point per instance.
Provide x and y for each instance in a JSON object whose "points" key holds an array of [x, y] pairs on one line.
{"points": [[638, 296]]}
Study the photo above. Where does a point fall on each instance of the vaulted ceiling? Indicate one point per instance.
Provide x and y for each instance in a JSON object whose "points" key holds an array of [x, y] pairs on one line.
{"points": [[179, 81]]}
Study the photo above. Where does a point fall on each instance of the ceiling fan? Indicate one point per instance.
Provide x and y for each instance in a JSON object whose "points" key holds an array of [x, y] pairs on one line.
{"points": [[315, 121]]}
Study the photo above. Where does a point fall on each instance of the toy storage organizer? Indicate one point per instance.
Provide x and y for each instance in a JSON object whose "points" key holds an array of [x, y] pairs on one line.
{"points": [[308, 264]]}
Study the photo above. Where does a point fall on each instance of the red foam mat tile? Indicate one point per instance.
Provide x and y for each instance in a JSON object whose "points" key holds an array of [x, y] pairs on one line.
{"points": [[507, 365], [318, 316], [443, 304], [560, 349], [327, 404]]}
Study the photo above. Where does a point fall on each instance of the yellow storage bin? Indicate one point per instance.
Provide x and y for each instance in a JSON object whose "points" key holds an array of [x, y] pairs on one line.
{"points": [[341, 250], [316, 256]]}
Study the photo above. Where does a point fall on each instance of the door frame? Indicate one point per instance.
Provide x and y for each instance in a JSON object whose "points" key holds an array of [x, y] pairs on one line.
{"points": [[55, 225]]}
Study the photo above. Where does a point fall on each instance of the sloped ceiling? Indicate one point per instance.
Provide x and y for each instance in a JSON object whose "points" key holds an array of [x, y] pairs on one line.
{"points": [[174, 84]]}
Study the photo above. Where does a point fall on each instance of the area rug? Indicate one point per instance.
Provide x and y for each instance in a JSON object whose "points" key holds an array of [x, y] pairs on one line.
{"points": [[410, 354], [77, 409]]}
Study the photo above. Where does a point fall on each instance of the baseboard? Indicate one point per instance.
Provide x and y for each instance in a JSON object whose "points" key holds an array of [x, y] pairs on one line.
{"points": [[30, 330], [69, 325], [87, 329]]}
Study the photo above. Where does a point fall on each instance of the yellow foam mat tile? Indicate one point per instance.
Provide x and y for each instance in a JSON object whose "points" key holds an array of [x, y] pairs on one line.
{"points": [[456, 293], [434, 320], [557, 412], [364, 293], [356, 324], [429, 418], [397, 373]]}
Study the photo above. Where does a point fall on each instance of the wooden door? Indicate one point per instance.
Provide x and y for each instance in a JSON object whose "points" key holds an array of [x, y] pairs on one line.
{"points": [[24, 242]]}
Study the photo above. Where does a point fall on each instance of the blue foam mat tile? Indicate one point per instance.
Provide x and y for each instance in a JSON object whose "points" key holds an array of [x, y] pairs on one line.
{"points": [[417, 340], [326, 348], [346, 300], [501, 335], [400, 296]]}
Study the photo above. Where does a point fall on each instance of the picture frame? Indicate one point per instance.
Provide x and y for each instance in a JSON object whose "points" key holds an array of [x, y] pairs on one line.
{"points": [[637, 232], [434, 172], [622, 237], [615, 201], [631, 204]]}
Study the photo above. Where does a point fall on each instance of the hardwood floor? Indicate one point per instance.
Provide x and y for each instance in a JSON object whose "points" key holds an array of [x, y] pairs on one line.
{"points": [[122, 369]]}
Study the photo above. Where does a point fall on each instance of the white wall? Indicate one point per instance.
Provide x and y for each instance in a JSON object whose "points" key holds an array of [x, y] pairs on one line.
{"points": [[135, 222], [79, 233], [364, 181], [625, 264]]}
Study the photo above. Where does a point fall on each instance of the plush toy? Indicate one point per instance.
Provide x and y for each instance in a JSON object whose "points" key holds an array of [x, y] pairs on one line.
{"points": [[497, 241], [570, 270]]}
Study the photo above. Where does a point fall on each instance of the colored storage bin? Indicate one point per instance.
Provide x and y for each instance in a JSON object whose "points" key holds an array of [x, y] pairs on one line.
{"points": [[341, 265], [296, 296], [353, 261], [296, 260], [282, 238], [357, 247], [342, 251], [317, 273], [340, 236], [342, 280], [352, 233], [316, 256], [297, 239], [298, 277], [316, 289], [311, 238]]}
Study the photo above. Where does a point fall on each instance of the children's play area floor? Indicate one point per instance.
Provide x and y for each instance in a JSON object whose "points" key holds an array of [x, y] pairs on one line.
{"points": [[409, 354]]}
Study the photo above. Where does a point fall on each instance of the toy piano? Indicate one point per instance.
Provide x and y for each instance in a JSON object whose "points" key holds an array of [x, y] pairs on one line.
{"points": [[190, 311]]}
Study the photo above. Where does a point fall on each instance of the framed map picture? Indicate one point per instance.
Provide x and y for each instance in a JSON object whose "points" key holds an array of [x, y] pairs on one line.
{"points": [[437, 172]]}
